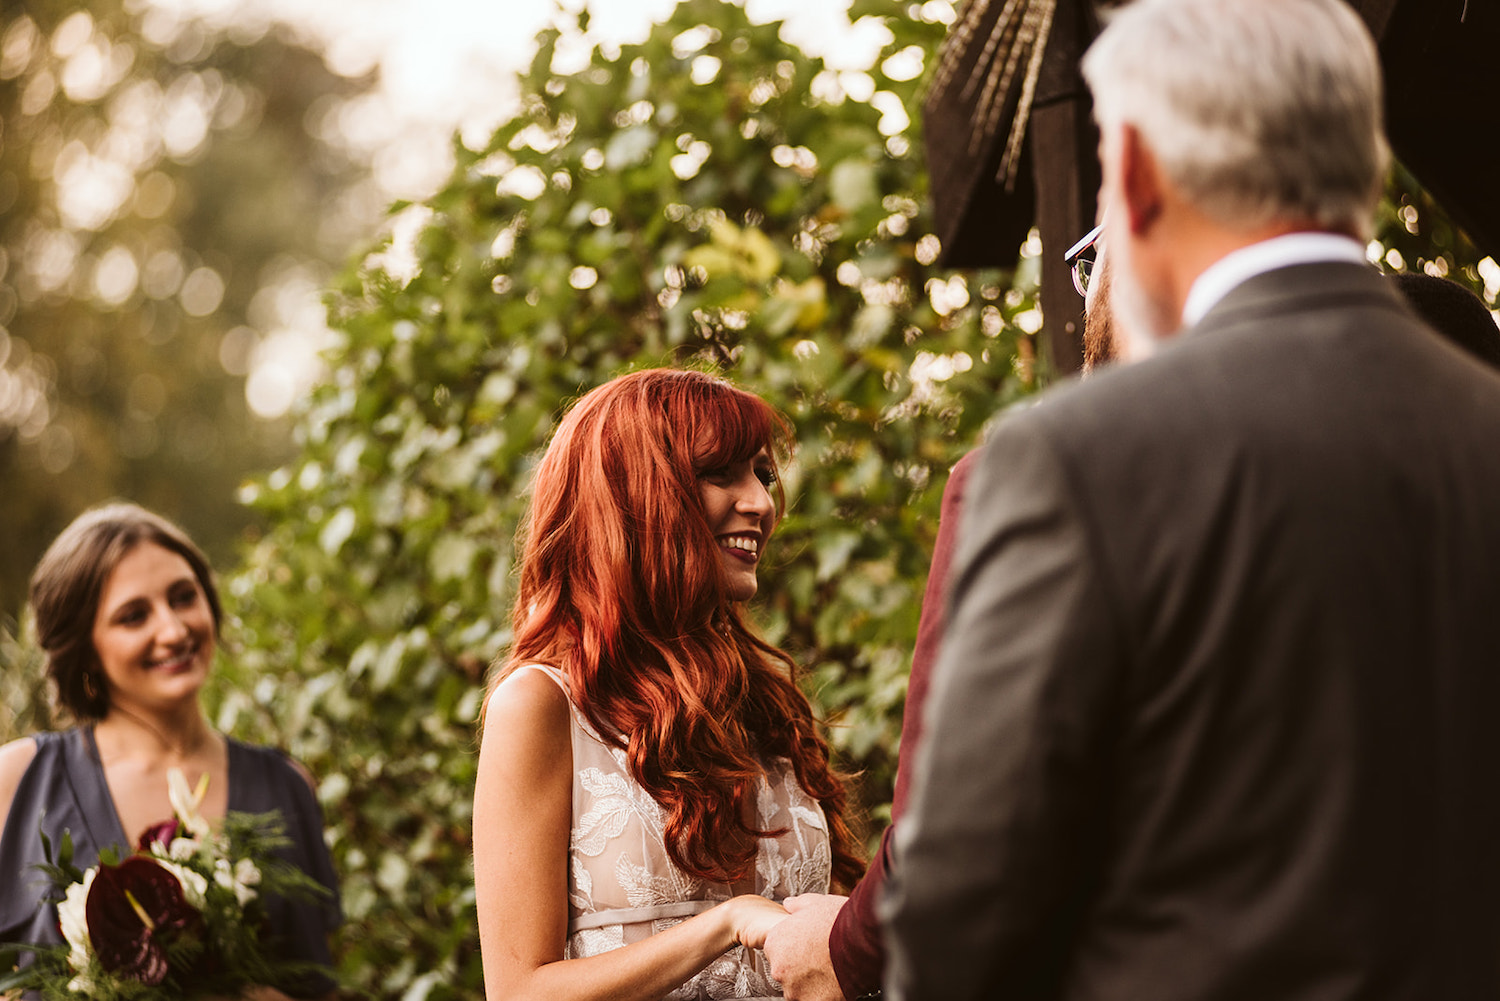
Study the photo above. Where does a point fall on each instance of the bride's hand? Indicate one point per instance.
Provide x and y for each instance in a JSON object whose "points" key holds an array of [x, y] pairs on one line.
{"points": [[752, 917]]}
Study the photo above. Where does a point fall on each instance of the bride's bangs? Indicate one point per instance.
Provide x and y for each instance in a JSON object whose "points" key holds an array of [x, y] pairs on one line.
{"points": [[732, 426]]}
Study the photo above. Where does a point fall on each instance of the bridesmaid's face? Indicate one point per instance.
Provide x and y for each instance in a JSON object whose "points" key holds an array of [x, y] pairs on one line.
{"points": [[154, 630], [738, 507]]}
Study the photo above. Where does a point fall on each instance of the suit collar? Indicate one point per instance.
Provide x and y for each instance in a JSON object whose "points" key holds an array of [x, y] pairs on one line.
{"points": [[1300, 288], [1234, 269]]}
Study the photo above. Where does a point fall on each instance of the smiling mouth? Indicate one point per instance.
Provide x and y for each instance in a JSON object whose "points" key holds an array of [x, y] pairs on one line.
{"points": [[176, 662], [745, 548]]}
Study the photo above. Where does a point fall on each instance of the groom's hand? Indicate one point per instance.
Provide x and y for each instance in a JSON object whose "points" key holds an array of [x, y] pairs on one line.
{"points": [[798, 948]]}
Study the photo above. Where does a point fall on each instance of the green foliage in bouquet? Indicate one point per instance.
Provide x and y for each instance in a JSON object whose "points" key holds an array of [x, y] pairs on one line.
{"points": [[709, 197], [180, 918]]}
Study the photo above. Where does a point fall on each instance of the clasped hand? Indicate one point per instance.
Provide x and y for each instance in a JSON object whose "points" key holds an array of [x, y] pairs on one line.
{"points": [[797, 948], [752, 917]]}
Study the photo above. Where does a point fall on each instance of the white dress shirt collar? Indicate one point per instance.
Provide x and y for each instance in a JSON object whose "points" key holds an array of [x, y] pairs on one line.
{"points": [[1238, 267]]}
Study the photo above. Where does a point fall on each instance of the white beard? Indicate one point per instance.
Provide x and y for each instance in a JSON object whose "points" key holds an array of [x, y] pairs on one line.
{"points": [[1140, 322]]}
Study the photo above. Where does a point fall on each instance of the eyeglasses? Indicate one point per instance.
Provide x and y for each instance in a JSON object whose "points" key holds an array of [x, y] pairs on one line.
{"points": [[1083, 267]]}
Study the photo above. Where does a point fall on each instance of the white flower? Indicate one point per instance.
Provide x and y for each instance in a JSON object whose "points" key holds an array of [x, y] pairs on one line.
{"points": [[194, 886], [72, 915], [182, 849], [185, 801], [241, 877], [246, 873]]}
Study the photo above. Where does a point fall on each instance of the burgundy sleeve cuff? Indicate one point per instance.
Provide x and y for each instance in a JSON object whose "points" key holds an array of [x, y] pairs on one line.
{"points": [[854, 943]]}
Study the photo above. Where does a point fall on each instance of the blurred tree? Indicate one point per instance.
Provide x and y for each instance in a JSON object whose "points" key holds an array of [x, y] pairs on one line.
{"points": [[159, 193], [24, 704], [710, 197]]}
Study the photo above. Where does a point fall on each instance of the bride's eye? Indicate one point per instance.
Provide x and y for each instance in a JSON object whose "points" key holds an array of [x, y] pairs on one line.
{"points": [[716, 474]]}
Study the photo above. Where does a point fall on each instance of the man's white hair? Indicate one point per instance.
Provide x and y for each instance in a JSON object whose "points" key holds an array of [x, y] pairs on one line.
{"points": [[1257, 110]]}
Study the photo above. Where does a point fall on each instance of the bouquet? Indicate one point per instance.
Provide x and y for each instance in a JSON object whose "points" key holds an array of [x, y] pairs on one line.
{"points": [[182, 917]]}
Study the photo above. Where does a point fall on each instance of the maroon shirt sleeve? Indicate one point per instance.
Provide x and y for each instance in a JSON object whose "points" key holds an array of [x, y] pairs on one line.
{"points": [[854, 943]]}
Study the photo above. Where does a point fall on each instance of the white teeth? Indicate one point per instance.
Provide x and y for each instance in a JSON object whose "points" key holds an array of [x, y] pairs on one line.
{"points": [[741, 542]]}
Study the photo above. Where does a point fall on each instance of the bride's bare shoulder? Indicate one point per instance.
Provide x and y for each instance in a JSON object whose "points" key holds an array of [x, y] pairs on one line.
{"points": [[529, 702]]}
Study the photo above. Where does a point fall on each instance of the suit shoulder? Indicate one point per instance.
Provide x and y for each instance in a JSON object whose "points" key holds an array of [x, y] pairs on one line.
{"points": [[1113, 398]]}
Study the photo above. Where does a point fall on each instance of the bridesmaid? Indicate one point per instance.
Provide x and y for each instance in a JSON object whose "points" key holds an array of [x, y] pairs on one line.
{"points": [[128, 615], [651, 780]]}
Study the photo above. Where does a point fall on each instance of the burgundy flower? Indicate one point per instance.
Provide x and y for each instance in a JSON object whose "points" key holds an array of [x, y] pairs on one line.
{"points": [[134, 911], [163, 832]]}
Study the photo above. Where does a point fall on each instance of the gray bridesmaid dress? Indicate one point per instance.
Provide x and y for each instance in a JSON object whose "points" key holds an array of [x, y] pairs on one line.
{"points": [[64, 790]]}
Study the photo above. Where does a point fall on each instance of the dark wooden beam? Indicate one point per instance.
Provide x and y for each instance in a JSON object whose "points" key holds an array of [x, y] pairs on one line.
{"points": [[1065, 169], [1063, 144]]}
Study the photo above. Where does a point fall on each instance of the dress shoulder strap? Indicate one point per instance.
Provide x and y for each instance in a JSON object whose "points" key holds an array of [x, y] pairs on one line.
{"points": [[558, 678], [580, 720], [552, 672]]}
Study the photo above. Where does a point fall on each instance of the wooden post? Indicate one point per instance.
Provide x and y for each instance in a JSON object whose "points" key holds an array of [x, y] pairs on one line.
{"points": [[1065, 166], [1062, 141]]}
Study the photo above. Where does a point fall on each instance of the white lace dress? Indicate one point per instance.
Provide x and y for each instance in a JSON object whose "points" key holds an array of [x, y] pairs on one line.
{"points": [[623, 887]]}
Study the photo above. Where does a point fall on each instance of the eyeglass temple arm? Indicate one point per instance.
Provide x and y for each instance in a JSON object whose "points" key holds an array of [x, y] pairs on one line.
{"points": [[1088, 241]]}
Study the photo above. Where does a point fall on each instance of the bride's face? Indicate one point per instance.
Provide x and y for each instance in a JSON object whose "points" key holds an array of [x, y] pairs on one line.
{"points": [[741, 514]]}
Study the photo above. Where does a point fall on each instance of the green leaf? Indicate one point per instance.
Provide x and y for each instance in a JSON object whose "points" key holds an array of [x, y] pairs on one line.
{"points": [[834, 549], [853, 185], [337, 531], [629, 147]]}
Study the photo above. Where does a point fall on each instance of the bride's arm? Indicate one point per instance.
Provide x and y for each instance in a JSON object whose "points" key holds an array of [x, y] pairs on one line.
{"points": [[522, 814]]}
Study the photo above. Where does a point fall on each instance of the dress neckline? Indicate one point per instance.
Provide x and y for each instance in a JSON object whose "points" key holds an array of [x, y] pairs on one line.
{"points": [[86, 772]]}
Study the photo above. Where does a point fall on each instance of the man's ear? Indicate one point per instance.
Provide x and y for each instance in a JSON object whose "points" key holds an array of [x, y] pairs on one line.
{"points": [[1142, 186]]}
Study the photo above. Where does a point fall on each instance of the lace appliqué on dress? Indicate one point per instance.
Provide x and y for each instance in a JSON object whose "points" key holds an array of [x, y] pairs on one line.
{"points": [[618, 862]]}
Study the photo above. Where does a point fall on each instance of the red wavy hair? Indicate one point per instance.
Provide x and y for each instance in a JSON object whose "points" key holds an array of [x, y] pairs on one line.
{"points": [[623, 590]]}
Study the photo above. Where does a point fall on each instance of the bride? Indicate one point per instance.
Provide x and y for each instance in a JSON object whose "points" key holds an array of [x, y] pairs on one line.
{"points": [[651, 781]]}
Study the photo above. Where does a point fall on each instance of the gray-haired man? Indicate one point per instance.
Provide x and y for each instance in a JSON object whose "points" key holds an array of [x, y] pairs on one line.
{"points": [[1218, 712]]}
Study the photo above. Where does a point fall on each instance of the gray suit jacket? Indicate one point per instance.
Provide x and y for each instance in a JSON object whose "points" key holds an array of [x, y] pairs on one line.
{"points": [[1218, 713]]}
